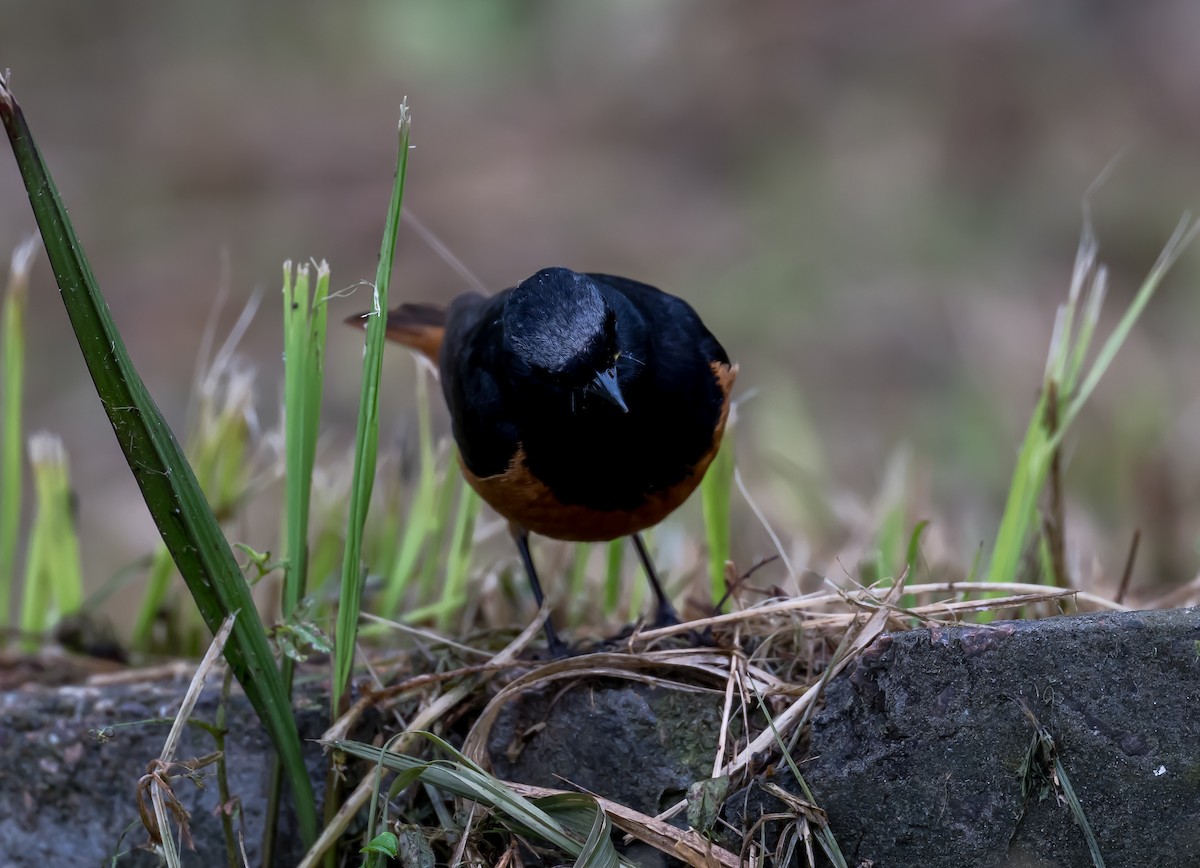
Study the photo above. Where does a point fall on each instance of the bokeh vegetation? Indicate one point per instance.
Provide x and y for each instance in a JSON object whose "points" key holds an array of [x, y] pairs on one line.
{"points": [[875, 208]]}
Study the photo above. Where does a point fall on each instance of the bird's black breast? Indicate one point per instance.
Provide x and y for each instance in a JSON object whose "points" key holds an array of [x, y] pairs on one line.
{"points": [[583, 448]]}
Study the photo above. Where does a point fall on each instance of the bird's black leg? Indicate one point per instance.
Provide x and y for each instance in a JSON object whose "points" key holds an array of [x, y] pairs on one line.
{"points": [[665, 614], [520, 536]]}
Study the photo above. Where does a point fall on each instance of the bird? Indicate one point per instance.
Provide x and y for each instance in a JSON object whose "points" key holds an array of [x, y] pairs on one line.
{"points": [[585, 407]]}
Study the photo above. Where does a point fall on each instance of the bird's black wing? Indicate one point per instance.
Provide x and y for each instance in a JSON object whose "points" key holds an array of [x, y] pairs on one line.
{"points": [[672, 382], [485, 433]]}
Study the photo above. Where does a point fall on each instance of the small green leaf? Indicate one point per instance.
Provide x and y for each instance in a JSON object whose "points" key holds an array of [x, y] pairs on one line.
{"points": [[598, 851], [385, 843]]}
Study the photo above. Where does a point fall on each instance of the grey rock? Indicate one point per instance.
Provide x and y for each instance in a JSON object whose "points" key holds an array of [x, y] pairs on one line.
{"points": [[638, 745], [917, 756], [68, 797]]}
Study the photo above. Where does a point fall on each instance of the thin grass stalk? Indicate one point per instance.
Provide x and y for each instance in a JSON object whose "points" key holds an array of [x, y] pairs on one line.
{"points": [[438, 528], [54, 579], [1185, 233], [1064, 368], [578, 598], [638, 590], [65, 565], [454, 591], [637, 597], [614, 555], [912, 561], [36, 596], [367, 437], [305, 316], [11, 438], [158, 581], [465, 779], [219, 732], [716, 494], [218, 447], [416, 529], [381, 545]]}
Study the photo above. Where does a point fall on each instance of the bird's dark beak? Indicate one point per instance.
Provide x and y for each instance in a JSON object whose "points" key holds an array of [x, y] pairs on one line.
{"points": [[606, 384]]}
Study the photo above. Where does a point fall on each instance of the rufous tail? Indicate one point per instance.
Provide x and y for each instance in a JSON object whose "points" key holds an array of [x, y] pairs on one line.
{"points": [[418, 326]]}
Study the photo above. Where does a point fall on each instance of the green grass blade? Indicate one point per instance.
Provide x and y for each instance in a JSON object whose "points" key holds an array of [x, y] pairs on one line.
{"points": [[1184, 234], [1020, 509], [65, 570], [716, 493], [598, 850], [11, 438], [579, 600], [366, 439], [305, 316], [824, 835], [436, 533], [168, 485], [912, 559], [46, 458], [614, 555], [454, 591], [417, 527], [1064, 367], [1077, 812], [638, 590], [556, 819], [158, 582]]}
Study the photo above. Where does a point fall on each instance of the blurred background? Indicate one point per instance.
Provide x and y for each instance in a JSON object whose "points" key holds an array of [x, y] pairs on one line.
{"points": [[874, 205]]}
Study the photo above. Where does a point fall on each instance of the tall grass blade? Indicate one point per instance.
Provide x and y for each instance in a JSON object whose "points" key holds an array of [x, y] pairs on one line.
{"points": [[219, 450], [437, 530], [555, 819], [454, 592], [13, 392], [614, 555], [53, 585], [305, 315], [1070, 385], [716, 494], [158, 581], [417, 527], [173, 496], [366, 440], [579, 599], [1185, 233]]}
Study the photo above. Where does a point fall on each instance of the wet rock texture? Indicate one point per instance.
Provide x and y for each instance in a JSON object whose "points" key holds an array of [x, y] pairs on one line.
{"points": [[68, 797], [638, 745], [918, 756]]}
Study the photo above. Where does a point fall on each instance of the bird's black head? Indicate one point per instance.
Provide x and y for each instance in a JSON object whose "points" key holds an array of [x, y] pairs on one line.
{"points": [[558, 325]]}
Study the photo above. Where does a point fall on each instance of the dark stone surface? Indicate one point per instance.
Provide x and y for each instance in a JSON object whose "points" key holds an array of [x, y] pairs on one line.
{"points": [[66, 796], [917, 754], [638, 745]]}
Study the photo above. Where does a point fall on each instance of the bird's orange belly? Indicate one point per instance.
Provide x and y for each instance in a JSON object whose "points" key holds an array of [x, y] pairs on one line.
{"points": [[525, 500], [522, 499]]}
